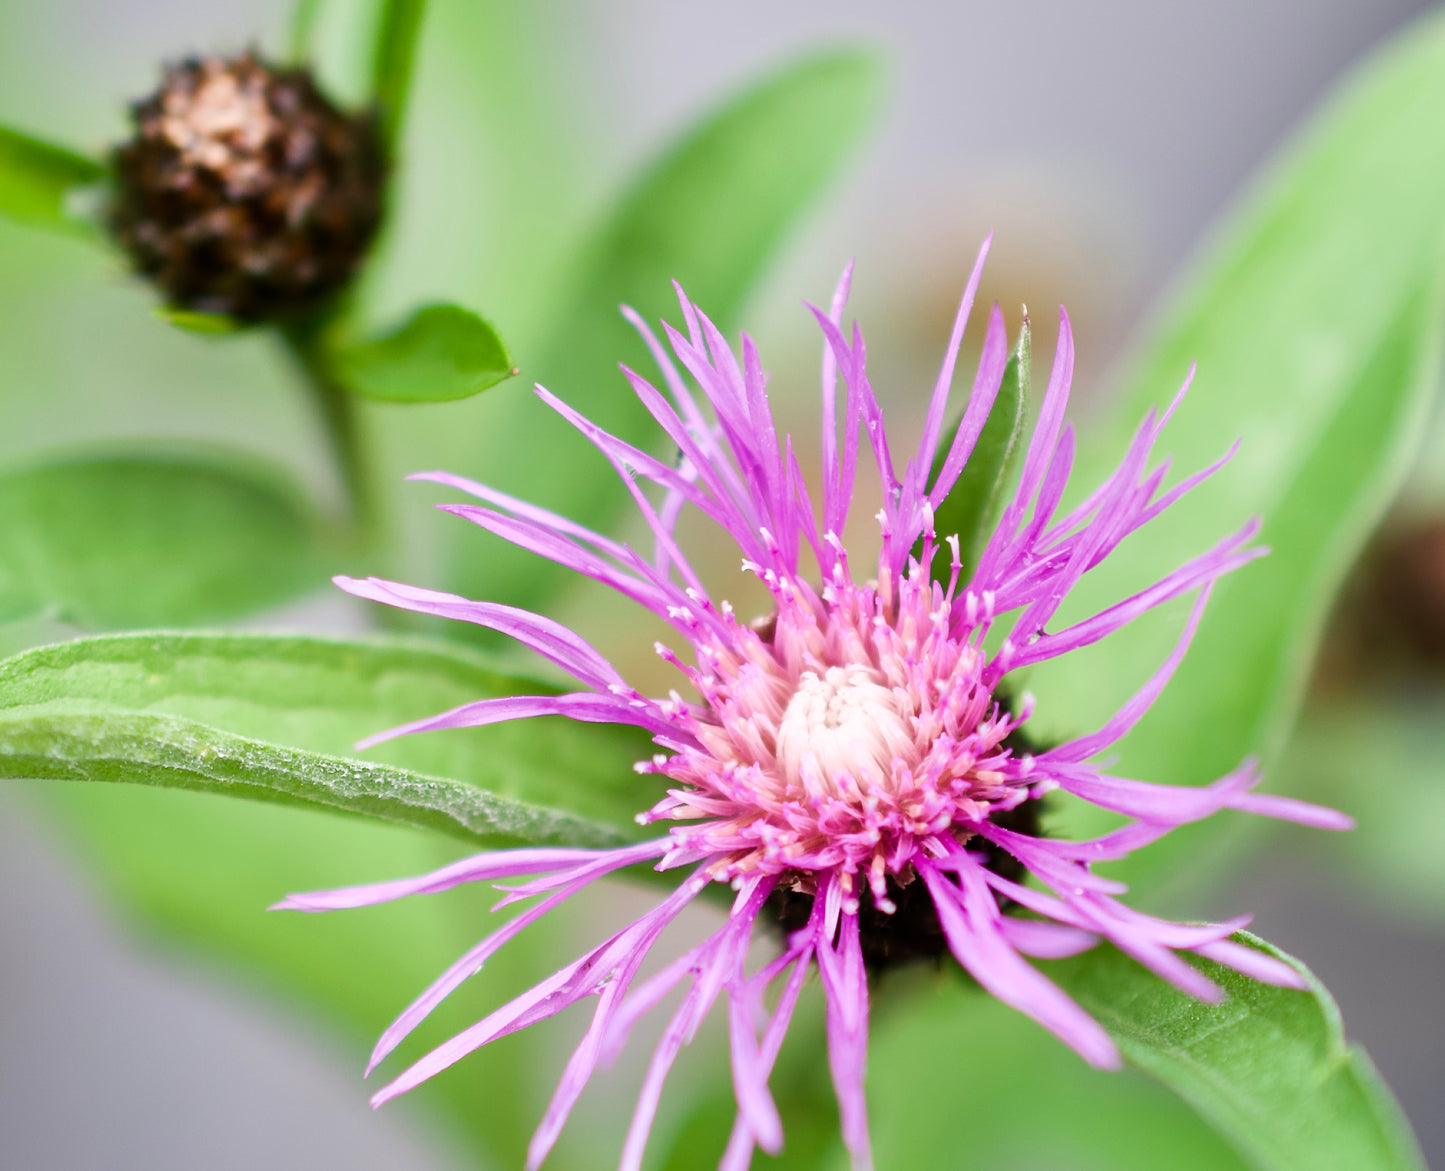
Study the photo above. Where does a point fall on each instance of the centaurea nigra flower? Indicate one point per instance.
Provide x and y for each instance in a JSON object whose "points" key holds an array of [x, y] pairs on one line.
{"points": [[853, 751]]}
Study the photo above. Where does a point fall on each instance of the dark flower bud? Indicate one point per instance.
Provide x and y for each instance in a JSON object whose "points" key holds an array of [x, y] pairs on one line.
{"points": [[244, 191]]}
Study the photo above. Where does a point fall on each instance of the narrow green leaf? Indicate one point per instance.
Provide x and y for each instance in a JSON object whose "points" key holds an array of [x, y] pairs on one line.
{"points": [[1316, 324], [709, 213], [1249, 667], [443, 353], [207, 324], [274, 719], [973, 507], [773, 149], [1269, 1067], [393, 59], [37, 180], [134, 540]]}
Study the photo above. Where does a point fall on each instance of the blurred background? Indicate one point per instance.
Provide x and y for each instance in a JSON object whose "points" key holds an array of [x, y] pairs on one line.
{"points": [[1099, 142]]}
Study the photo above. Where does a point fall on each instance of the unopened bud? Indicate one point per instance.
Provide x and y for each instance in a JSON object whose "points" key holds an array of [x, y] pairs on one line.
{"points": [[244, 191]]}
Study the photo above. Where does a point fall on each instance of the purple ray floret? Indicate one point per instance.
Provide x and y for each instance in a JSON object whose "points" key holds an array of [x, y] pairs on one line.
{"points": [[851, 746]]}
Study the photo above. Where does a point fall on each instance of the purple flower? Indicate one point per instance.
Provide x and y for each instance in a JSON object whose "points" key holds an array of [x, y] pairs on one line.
{"points": [[850, 767]]}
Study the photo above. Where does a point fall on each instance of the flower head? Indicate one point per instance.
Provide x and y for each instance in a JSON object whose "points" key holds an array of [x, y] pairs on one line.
{"points": [[851, 766], [244, 191]]}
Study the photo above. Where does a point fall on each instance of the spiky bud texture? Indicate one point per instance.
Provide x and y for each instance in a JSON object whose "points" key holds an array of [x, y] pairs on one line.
{"points": [[244, 191]]}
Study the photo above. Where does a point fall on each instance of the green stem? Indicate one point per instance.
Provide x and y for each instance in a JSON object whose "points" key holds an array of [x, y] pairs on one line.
{"points": [[393, 61], [337, 407]]}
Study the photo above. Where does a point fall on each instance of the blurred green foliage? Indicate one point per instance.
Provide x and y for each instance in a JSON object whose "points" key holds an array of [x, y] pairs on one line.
{"points": [[1315, 317], [175, 537], [709, 212], [1382, 760]]}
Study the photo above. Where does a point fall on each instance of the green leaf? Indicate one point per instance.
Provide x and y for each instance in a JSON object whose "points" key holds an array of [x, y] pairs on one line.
{"points": [[274, 718], [709, 213], [974, 505], [393, 59], [207, 324], [132, 540], [444, 352], [956, 1079], [1267, 1070], [1316, 324], [37, 179], [1269, 1067], [216, 706]]}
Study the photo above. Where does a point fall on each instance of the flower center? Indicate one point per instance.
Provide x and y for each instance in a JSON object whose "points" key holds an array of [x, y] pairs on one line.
{"points": [[842, 731]]}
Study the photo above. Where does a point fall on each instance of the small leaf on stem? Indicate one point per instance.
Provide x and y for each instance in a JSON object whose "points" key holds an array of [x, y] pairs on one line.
{"points": [[443, 353], [38, 180], [207, 324]]}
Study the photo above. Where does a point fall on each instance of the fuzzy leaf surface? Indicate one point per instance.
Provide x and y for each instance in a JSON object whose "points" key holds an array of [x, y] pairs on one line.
{"points": [[1268, 1071], [1269, 1067], [273, 718]]}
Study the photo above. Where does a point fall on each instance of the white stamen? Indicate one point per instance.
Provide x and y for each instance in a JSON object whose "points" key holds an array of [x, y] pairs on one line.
{"points": [[849, 723]]}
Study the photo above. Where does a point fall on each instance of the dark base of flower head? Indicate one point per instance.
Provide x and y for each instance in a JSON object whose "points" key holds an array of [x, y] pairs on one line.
{"points": [[912, 932], [1391, 617], [244, 191]]}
